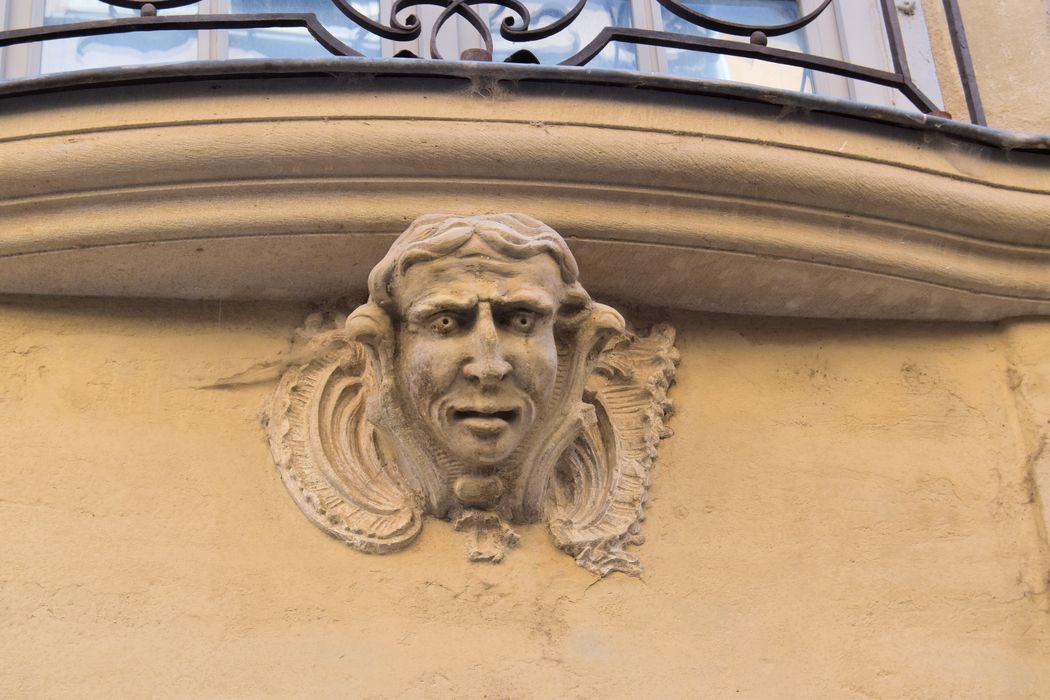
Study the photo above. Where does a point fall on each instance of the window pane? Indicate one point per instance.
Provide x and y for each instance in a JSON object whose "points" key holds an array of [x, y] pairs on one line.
{"points": [[597, 15], [284, 42], [745, 70], [134, 48]]}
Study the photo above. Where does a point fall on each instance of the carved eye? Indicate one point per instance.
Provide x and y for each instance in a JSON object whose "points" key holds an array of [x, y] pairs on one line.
{"points": [[444, 323], [521, 321]]}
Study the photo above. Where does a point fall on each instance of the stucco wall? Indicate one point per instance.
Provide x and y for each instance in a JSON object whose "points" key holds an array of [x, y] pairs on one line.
{"points": [[846, 510], [1009, 44], [1010, 41]]}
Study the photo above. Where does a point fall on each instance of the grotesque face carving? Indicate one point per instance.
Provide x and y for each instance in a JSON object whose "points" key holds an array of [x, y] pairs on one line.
{"points": [[479, 384], [476, 350]]}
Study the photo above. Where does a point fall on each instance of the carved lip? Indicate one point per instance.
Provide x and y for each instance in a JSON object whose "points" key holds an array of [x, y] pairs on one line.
{"points": [[485, 421]]}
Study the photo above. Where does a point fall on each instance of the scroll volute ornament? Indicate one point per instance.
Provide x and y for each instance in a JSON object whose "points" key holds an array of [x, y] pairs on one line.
{"points": [[482, 385]]}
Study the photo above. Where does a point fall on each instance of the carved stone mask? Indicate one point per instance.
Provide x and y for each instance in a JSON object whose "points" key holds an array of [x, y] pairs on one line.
{"points": [[480, 384], [476, 352]]}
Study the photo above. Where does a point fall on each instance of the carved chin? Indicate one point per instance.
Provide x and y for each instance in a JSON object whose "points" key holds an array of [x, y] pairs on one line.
{"points": [[482, 434]]}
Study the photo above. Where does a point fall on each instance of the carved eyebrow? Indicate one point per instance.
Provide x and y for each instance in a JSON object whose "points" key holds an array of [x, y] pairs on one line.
{"points": [[430, 305], [539, 302]]}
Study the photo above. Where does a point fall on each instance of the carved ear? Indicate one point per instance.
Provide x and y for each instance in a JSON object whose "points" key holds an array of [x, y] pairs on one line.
{"points": [[328, 453], [603, 323], [598, 492], [567, 415], [371, 326]]}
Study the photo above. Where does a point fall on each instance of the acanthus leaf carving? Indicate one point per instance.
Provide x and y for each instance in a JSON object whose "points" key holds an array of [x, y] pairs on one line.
{"points": [[601, 489], [330, 456]]}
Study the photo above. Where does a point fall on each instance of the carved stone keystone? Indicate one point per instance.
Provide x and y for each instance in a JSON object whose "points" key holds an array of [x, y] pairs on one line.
{"points": [[482, 385]]}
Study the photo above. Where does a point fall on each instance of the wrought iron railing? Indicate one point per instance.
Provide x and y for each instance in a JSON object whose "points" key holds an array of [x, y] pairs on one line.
{"points": [[519, 28]]}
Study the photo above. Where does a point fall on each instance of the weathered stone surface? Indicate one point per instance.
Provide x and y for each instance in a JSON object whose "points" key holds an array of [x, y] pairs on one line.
{"points": [[292, 189], [480, 384]]}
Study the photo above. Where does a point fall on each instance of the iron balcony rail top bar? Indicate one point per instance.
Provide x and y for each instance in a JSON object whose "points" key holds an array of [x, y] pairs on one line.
{"points": [[520, 31]]}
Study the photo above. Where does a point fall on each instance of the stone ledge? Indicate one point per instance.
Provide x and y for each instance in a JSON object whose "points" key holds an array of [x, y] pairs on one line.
{"points": [[290, 189]]}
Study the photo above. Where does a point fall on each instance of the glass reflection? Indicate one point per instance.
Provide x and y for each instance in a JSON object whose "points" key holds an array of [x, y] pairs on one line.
{"points": [[746, 70], [137, 48], [108, 50], [291, 42]]}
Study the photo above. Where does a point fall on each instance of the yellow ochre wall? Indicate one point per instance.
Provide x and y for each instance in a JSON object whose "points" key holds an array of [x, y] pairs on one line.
{"points": [[1010, 45], [847, 509]]}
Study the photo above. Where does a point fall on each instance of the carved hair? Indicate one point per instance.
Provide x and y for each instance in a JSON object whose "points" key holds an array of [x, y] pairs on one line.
{"points": [[432, 236]]}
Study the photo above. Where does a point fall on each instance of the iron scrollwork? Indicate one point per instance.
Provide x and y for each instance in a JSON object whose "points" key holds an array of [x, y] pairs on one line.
{"points": [[517, 27]]}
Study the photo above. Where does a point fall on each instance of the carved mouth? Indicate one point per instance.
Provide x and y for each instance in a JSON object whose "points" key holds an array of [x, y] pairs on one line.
{"points": [[485, 422], [509, 415]]}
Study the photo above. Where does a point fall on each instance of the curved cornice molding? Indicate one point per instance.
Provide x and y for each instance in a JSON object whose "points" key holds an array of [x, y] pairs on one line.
{"points": [[285, 187]]}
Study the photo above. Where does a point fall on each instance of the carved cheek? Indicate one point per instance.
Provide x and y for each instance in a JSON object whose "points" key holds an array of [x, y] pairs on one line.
{"points": [[430, 366], [539, 366]]}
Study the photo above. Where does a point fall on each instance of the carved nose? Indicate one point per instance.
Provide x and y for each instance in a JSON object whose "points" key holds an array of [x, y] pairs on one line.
{"points": [[488, 370], [487, 366]]}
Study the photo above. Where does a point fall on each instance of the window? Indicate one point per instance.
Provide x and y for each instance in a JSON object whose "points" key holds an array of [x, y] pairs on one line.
{"points": [[758, 12], [110, 49], [849, 30], [297, 43]]}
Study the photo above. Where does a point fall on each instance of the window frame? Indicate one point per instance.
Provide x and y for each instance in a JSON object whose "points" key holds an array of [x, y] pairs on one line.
{"points": [[844, 33]]}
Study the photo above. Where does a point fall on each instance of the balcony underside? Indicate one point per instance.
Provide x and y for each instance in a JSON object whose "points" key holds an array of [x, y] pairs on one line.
{"points": [[291, 185]]}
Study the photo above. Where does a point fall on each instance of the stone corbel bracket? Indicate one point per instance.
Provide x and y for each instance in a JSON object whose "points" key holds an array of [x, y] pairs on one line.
{"points": [[285, 187], [482, 385]]}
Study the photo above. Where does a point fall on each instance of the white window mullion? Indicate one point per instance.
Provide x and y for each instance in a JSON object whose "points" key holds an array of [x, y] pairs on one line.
{"points": [[451, 38], [425, 14], [215, 44], [645, 14], [923, 68], [466, 36], [23, 60], [822, 39], [864, 46], [387, 47], [3, 26]]}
